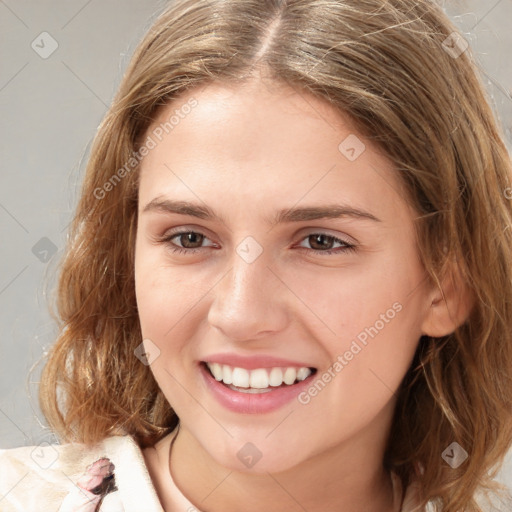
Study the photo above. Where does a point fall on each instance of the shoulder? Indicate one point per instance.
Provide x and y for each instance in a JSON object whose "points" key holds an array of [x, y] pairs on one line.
{"points": [[497, 502], [409, 500], [63, 477]]}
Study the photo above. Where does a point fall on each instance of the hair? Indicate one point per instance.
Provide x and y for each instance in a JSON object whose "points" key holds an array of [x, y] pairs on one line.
{"points": [[383, 64]]}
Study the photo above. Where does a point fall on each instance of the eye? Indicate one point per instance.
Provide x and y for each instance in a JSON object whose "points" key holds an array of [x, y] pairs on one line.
{"points": [[186, 239], [191, 242], [322, 243]]}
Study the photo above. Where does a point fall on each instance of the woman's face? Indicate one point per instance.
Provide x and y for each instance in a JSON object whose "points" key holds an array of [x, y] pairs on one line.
{"points": [[299, 252]]}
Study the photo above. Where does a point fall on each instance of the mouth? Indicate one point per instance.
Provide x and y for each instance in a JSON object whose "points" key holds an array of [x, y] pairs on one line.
{"points": [[258, 380]]}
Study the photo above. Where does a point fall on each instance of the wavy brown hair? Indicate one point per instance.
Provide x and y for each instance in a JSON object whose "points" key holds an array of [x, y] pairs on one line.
{"points": [[384, 64]]}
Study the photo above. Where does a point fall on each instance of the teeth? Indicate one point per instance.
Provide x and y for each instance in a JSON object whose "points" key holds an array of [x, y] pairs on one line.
{"points": [[216, 370], [290, 375], [303, 373], [276, 377], [240, 378], [252, 391], [260, 378], [227, 374]]}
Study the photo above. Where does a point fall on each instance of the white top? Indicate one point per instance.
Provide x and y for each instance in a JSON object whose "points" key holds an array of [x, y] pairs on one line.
{"points": [[45, 477]]}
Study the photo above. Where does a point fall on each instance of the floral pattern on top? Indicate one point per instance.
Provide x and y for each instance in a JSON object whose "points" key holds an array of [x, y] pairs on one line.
{"points": [[97, 481]]}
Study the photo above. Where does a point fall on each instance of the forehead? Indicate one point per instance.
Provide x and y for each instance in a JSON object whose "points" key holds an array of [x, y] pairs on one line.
{"points": [[255, 121], [261, 142]]}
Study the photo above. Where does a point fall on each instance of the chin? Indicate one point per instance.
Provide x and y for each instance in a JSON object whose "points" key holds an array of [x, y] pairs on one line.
{"points": [[258, 458]]}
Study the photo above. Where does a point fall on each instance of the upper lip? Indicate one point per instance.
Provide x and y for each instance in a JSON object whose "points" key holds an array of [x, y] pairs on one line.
{"points": [[253, 362]]}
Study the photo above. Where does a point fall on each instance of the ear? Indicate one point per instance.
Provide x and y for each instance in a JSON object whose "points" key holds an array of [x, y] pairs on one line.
{"points": [[450, 303]]}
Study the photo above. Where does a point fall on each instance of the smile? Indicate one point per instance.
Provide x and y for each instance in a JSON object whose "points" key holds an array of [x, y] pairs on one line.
{"points": [[257, 390], [259, 380]]}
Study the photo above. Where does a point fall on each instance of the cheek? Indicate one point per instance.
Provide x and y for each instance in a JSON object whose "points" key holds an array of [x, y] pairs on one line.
{"points": [[344, 302], [164, 294], [374, 317], [165, 301]]}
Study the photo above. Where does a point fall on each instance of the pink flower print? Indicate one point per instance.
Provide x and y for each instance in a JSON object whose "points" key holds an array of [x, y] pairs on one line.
{"points": [[95, 483]]}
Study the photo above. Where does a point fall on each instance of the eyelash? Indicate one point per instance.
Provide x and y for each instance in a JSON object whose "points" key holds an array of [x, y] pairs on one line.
{"points": [[181, 250]]}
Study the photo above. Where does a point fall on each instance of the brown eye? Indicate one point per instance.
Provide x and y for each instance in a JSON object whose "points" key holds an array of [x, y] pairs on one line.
{"points": [[319, 241], [190, 239], [322, 243], [185, 241]]}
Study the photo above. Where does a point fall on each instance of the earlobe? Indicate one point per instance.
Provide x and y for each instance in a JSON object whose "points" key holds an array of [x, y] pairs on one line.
{"points": [[450, 304]]}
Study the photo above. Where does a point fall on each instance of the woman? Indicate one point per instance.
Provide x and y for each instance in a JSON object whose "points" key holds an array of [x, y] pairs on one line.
{"points": [[288, 284]]}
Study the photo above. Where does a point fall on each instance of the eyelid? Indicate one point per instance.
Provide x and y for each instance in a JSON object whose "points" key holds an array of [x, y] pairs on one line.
{"points": [[325, 231]]}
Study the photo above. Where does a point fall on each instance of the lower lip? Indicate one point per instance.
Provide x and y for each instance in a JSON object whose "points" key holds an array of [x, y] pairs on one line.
{"points": [[252, 403]]}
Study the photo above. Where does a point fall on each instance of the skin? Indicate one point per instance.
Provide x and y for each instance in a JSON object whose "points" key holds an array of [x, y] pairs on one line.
{"points": [[246, 152]]}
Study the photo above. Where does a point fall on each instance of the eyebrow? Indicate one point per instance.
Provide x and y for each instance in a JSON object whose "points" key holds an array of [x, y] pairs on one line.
{"points": [[306, 213]]}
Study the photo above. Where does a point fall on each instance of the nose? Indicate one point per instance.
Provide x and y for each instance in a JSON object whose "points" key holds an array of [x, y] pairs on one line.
{"points": [[249, 302]]}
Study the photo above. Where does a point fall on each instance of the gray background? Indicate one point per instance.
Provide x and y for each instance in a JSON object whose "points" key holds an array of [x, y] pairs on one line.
{"points": [[50, 109]]}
